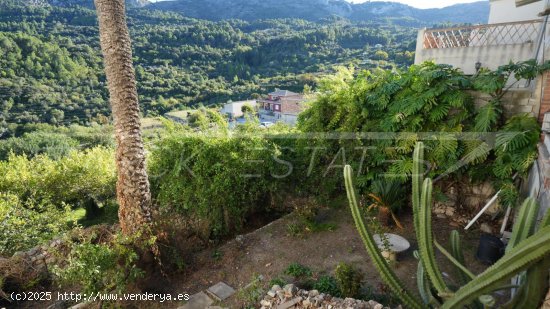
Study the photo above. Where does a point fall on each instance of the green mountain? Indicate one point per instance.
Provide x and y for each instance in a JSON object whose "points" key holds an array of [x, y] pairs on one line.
{"points": [[476, 12], [51, 68]]}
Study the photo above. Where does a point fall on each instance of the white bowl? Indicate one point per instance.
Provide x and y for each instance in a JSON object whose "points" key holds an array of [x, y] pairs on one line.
{"points": [[396, 242]]}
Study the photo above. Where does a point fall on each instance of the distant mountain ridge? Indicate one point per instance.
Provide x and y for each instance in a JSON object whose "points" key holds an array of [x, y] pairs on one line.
{"points": [[90, 3], [476, 12]]}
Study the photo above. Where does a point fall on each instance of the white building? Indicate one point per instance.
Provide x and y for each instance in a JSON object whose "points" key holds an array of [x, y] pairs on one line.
{"points": [[518, 30], [234, 109]]}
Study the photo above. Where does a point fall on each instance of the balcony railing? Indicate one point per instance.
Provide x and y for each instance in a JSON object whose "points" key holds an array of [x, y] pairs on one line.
{"points": [[483, 35]]}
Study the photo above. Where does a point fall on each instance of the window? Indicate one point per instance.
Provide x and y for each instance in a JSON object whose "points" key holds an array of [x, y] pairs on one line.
{"points": [[277, 107]]}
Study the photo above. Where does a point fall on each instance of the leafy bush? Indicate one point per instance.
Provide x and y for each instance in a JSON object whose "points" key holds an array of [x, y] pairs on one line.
{"points": [[217, 181], [277, 281], [349, 279], [327, 284], [100, 267], [70, 180], [424, 98], [298, 271], [54, 145], [24, 226]]}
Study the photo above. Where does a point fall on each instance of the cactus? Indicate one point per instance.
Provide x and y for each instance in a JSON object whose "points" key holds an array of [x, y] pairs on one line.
{"points": [[536, 279], [417, 175], [526, 252], [387, 274], [422, 211], [456, 251], [525, 224], [521, 257], [423, 283], [455, 262]]}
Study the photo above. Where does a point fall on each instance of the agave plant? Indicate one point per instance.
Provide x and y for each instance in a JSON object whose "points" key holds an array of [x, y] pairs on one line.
{"points": [[528, 255]]}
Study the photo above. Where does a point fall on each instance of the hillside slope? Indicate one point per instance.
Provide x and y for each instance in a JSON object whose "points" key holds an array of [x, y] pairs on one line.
{"points": [[476, 12]]}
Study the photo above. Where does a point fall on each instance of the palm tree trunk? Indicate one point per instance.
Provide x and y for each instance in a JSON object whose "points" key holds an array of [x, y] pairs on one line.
{"points": [[132, 188]]}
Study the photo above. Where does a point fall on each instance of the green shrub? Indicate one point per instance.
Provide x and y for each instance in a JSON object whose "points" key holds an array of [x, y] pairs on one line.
{"points": [[424, 98], [349, 280], [298, 271], [215, 180], [100, 267], [70, 180], [251, 294], [53, 145], [24, 226], [277, 281], [327, 284]]}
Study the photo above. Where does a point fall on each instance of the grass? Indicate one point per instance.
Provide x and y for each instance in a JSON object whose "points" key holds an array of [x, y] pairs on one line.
{"points": [[298, 270], [108, 216], [251, 294]]}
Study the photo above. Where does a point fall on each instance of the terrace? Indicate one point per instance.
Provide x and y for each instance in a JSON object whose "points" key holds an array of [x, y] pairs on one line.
{"points": [[488, 45]]}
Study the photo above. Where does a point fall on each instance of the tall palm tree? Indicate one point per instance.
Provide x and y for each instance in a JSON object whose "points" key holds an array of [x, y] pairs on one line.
{"points": [[132, 188]]}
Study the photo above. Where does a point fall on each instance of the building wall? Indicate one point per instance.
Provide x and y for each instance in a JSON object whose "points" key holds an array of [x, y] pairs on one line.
{"points": [[465, 58], [289, 119], [235, 108], [518, 101], [505, 11]]}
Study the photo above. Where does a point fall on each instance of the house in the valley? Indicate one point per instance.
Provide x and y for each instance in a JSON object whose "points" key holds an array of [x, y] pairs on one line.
{"points": [[281, 105], [234, 110]]}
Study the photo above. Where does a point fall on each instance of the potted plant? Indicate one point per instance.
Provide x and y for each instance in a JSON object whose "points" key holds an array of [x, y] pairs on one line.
{"points": [[387, 196]]}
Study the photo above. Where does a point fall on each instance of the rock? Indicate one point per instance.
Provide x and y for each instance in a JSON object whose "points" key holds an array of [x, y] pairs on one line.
{"points": [[19, 254], [378, 306], [486, 228], [276, 288], [450, 211], [313, 293], [290, 289], [272, 293], [289, 303], [265, 303]]}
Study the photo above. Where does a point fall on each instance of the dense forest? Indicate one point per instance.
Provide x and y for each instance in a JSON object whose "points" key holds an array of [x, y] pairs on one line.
{"points": [[51, 65]]}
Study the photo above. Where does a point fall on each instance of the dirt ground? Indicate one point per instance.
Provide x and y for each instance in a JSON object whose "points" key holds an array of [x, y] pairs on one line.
{"points": [[268, 252]]}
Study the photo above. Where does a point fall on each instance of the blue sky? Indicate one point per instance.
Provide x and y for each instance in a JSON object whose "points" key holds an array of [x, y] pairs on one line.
{"points": [[422, 4]]}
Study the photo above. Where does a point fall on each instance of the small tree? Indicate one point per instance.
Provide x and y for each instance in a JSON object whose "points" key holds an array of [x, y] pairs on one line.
{"points": [[247, 109]]}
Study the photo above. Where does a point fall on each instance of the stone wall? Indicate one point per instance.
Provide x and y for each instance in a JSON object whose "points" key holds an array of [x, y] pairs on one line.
{"points": [[517, 100], [291, 297], [461, 201]]}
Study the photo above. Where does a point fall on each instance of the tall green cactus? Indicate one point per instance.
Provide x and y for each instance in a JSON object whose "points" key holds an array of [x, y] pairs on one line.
{"points": [[535, 280], [425, 240], [422, 212], [456, 251], [387, 274], [525, 223], [417, 177], [527, 252], [521, 257]]}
